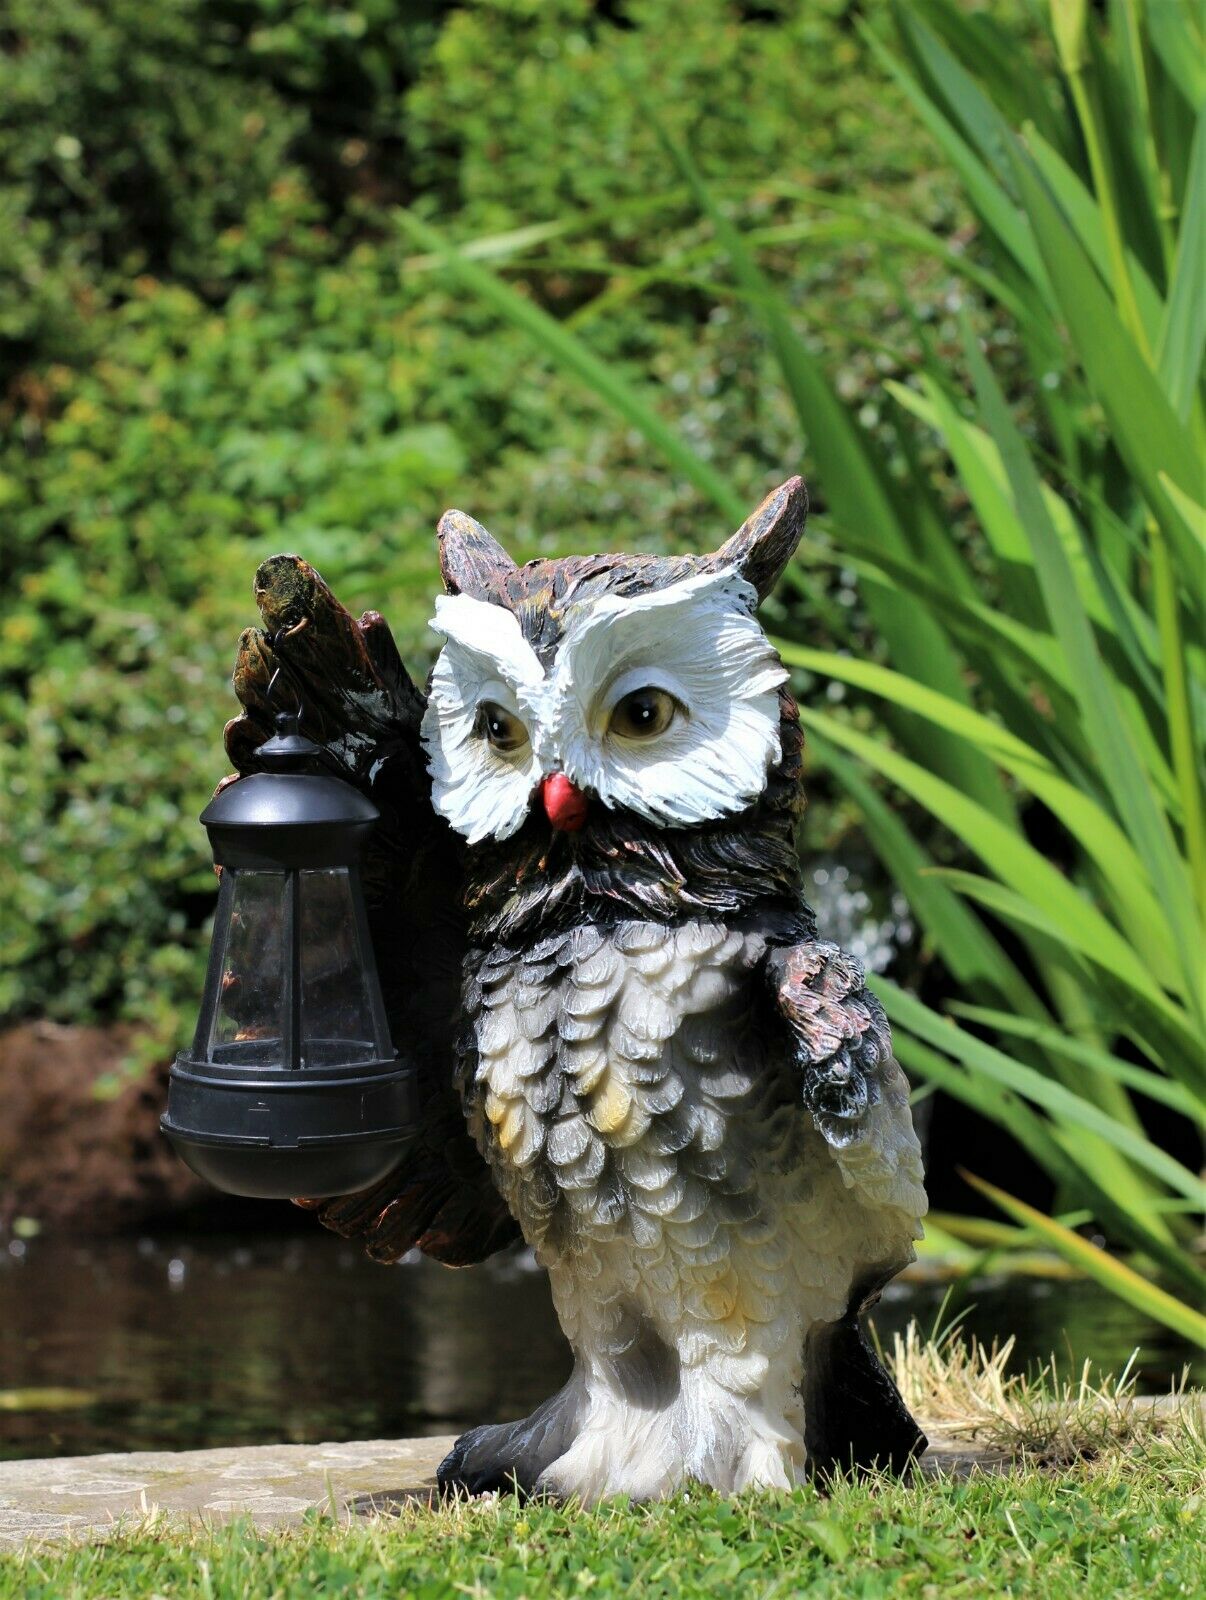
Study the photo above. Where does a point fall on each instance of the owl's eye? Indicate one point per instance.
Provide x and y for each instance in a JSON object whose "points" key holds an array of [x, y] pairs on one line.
{"points": [[643, 714], [500, 727]]}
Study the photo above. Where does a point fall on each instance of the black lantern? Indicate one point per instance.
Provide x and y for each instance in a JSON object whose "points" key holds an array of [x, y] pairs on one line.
{"points": [[292, 1086]]}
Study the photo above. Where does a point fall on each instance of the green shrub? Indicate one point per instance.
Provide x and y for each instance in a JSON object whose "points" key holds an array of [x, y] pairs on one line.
{"points": [[218, 347], [200, 442], [529, 111], [130, 140]]}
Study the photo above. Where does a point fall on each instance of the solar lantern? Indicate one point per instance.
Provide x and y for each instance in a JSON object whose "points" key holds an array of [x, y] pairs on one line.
{"points": [[292, 1086]]}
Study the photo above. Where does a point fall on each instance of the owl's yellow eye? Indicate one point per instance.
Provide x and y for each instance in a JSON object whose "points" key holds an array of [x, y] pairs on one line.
{"points": [[500, 727], [643, 714]]}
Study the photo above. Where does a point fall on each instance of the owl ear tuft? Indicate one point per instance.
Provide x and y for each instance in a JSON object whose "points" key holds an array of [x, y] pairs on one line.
{"points": [[766, 541], [472, 561]]}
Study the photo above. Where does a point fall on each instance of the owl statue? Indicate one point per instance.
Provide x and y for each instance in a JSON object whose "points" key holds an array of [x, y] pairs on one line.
{"points": [[636, 1051]]}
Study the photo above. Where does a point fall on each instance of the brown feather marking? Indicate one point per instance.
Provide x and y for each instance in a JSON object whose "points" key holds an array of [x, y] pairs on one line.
{"points": [[840, 1031], [766, 541], [472, 561]]}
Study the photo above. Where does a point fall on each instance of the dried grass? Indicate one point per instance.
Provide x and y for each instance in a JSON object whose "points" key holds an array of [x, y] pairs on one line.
{"points": [[1041, 1416]]}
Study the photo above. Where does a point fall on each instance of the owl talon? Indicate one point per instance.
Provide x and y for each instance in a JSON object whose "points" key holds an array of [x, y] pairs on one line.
{"points": [[457, 1474], [509, 1457]]}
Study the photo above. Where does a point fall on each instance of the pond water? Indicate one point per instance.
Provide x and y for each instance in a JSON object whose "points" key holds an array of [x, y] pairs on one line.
{"points": [[180, 1343]]}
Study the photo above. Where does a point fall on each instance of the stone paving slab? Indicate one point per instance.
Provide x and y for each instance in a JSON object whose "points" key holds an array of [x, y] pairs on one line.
{"points": [[87, 1497], [83, 1496]]}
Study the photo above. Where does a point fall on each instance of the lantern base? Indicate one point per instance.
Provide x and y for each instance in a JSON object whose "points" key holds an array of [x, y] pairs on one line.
{"points": [[281, 1135], [265, 1172]]}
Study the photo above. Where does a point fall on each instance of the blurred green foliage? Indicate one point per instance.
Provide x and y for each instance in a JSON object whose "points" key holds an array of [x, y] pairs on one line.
{"points": [[530, 110], [214, 345]]}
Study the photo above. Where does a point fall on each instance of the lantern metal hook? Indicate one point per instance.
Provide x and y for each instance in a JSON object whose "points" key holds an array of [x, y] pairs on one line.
{"points": [[286, 720]]}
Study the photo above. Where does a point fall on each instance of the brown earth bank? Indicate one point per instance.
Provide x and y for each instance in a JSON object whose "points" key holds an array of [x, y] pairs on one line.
{"points": [[73, 1157]]}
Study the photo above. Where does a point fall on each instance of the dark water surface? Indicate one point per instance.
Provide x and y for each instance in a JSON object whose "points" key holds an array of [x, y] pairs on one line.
{"points": [[183, 1343]]}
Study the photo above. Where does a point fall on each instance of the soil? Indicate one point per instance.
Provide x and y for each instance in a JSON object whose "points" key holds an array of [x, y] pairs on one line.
{"points": [[70, 1157]]}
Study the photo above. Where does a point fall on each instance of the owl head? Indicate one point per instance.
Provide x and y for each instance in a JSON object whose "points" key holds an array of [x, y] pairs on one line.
{"points": [[612, 695]]}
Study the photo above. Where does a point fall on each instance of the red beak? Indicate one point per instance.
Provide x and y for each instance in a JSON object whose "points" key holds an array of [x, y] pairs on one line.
{"points": [[564, 803]]}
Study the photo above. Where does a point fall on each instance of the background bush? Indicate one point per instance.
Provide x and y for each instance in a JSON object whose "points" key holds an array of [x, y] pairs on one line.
{"points": [[214, 345]]}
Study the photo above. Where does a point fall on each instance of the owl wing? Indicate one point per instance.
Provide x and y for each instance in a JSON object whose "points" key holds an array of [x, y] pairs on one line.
{"points": [[854, 1091], [361, 705], [852, 1086]]}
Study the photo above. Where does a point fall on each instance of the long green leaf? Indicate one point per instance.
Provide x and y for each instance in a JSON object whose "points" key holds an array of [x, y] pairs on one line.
{"points": [[1059, 1102], [1179, 45], [1174, 1095], [968, 950], [1031, 1130], [1136, 122], [987, 47], [983, 474], [1191, 513], [1074, 1170], [979, 119], [1112, 954], [571, 353], [1099, 835], [1035, 655], [1067, 913], [1112, 1274], [1084, 214], [1141, 695], [1182, 335], [1143, 423], [986, 491], [987, 195], [1105, 726]]}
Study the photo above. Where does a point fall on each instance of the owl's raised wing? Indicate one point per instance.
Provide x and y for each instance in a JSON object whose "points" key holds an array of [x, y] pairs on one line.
{"points": [[360, 703], [857, 1097], [851, 1084]]}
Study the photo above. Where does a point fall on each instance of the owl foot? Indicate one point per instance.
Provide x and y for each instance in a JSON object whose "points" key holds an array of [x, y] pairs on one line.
{"points": [[769, 1463], [650, 1458], [510, 1456], [620, 1451], [705, 1433]]}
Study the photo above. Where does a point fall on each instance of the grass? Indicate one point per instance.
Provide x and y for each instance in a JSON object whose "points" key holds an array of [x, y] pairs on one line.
{"points": [[1104, 1498], [1128, 1523]]}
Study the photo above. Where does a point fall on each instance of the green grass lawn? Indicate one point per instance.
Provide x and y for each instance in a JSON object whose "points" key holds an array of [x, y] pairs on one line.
{"points": [[1128, 1522], [1104, 1497]]}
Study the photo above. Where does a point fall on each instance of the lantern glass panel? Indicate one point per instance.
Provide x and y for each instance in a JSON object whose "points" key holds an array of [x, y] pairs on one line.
{"points": [[336, 1017], [248, 1021]]}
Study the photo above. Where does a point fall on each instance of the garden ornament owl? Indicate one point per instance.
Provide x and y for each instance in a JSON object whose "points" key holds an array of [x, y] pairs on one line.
{"points": [[636, 1050]]}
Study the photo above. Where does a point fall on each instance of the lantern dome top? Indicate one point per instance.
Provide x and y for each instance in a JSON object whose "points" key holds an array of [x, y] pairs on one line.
{"points": [[294, 799], [286, 816], [288, 750]]}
